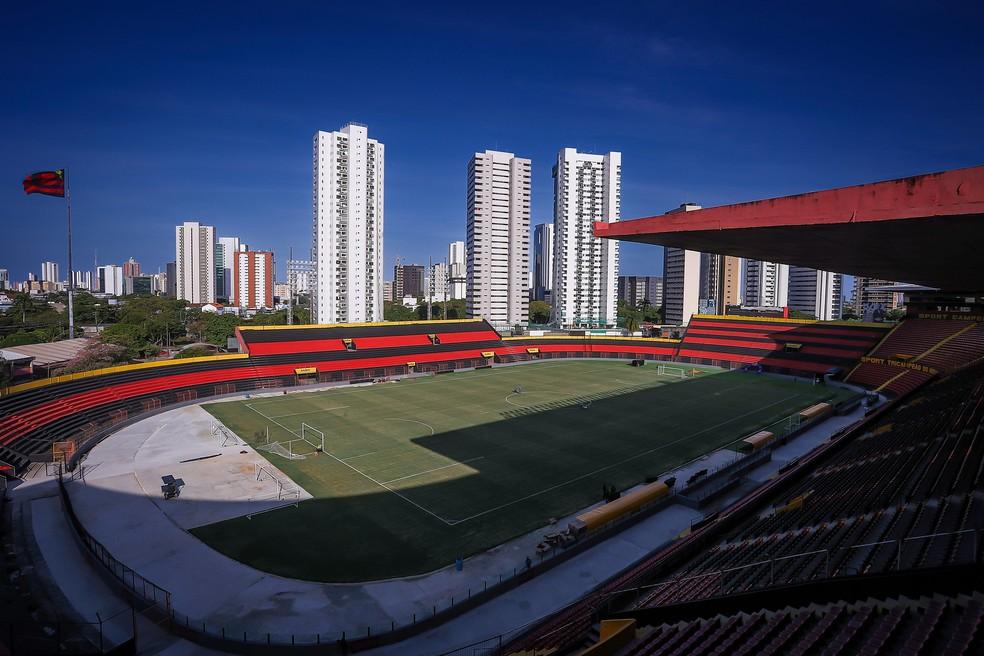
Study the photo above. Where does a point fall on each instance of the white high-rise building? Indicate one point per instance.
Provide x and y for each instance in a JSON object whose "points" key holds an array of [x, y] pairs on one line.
{"points": [[49, 272], [498, 236], [587, 188], [225, 255], [437, 283], [300, 275], [110, 279], [543, 247], [815, 292], [457, 270], [194, 262], [766, 284], [4, 279], [348, 226], [83, 280], [681, 279]]}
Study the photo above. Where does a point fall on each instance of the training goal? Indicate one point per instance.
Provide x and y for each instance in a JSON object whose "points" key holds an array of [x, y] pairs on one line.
{"points": [[287, 494], [676, 372], [310, 442]]}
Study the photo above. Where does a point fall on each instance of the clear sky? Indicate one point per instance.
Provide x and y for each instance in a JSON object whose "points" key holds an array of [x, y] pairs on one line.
{"points": [[166, 112]]}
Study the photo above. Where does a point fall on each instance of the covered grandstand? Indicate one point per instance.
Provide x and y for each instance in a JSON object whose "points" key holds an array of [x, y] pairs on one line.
{"points": [[870, 543]]}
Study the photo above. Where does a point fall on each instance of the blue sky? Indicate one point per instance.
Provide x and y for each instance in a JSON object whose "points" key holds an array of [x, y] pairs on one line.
{"points": [[171, 112]]}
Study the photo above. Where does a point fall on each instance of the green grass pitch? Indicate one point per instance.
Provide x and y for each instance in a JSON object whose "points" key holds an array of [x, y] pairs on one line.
{"points": [[418, 472]]}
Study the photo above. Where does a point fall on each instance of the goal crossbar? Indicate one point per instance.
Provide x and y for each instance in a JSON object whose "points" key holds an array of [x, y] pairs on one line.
{"points": [[313, 436]]}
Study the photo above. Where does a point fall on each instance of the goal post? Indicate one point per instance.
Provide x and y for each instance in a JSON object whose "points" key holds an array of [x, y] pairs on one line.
{"points": [[675, 372], [313, 436]]}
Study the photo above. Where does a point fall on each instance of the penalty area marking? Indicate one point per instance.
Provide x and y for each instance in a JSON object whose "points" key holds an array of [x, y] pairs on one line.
{"points": [[429, 471], [248, 405], [412, 421], [308, 412]]}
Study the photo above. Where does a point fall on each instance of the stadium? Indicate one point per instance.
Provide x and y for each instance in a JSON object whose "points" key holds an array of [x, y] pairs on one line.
{"points": [[760, 485]]}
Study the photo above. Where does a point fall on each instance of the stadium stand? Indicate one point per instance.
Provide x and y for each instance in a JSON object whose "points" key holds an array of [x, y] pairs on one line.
{"points": [[915, 351], [899, 494], [77, 408], [781, 345], [887, 626]]}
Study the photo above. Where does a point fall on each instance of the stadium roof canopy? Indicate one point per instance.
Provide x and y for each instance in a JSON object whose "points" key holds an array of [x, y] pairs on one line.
{"points": [[926, 229]]}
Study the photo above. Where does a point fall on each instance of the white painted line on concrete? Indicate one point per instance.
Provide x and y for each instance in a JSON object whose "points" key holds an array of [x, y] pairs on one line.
{"points": [[453, 464], [455, 522]]}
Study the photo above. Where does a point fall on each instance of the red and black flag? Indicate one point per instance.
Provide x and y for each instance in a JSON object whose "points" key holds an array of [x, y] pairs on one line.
{"points": [[49, 183]]}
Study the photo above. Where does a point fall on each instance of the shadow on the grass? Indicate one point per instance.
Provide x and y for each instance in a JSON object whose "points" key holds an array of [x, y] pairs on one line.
{"points": [[536, 463]]}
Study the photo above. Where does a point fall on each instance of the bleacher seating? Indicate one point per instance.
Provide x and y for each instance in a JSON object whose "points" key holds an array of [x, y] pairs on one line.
{"points": [[932, 344], [783, 345], [83, 406], [899, 494], [900, 625]]}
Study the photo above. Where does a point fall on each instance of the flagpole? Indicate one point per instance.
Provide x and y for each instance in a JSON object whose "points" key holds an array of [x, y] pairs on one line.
{"points": [[71, 271]]}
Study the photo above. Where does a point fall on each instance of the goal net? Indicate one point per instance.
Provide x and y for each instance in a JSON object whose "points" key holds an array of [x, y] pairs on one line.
{"points": [[675, 372]]}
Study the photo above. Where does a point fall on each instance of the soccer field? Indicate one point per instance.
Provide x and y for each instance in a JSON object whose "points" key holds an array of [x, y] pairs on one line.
{"points": [[417, 472]]}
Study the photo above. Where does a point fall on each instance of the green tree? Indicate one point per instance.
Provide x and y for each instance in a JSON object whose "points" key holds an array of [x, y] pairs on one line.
{"points": [[539, 312], [192, 352], [398, 312]]}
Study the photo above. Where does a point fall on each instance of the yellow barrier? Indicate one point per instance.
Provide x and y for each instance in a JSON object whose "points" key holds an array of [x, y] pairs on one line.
{"points": [[735, 317], [758, 440], [608, 513], [666, 340], [358, 325], [816, 411], [64, 378]]}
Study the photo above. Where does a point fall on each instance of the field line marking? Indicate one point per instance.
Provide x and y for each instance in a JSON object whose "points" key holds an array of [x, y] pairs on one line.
{"points": [[307, 412], [455, 522], [389, 489], [361, 455], [271, 419], [453, 464], [541, 393], [412, 421]]}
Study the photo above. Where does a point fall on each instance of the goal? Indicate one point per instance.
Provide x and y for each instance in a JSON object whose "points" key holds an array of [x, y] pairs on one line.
{"points": [[675, 372], [313, 436]]}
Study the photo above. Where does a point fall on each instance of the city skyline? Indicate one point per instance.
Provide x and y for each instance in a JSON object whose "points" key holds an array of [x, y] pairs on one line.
{"points": [[705, 145]]}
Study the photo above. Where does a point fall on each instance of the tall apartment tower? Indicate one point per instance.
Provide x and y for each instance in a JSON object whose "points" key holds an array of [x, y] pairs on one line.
{"points": [[457, 270], [49, 272], [498, 238], [766, 284], [194, 261], [348, 226], [543, 248], [225, 255], [300, 275], [587, 188], [636, 290], [866, 294], [720, 282], [681, 279], [252, 279], [131, 268], [815, 292]]}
